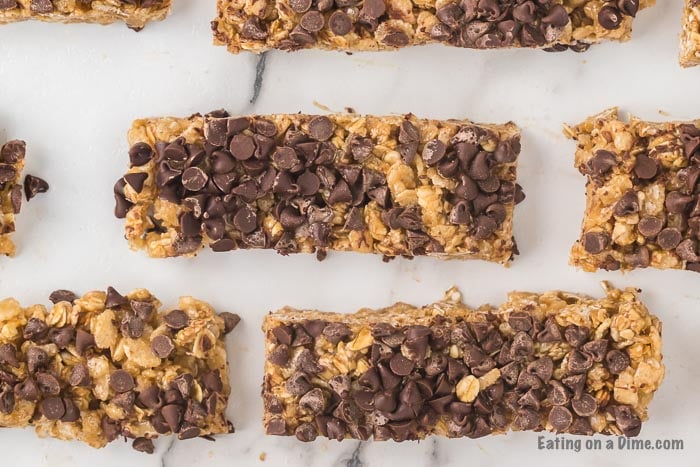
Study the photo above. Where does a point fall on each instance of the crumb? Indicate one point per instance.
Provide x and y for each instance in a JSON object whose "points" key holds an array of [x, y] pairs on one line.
{"points": [[262, 456], [325, 108]]}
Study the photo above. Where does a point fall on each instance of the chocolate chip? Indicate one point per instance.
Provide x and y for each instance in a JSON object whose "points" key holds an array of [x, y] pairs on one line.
{"points": [[400, 365], [579, 362], [340, 23], [485, 227], [396, 38], [79, 376], [557, 16], [231, 320], [650, 226], [644, 167], [627, 420], [676, 202], [669, 238], [312, 21], [602, 162], [47, 383], [62, 296], [143, 445], [687, 250], [52, 408], [617, 361], [62, 337], [33, 186], [7, 173], [150, 397], [433, 152], [557, 394], [526, 419], [480, 169], [373, 9], [162, 346], [585, 405], [172, 413], [640, 258], [560, 418], [627, 204], [194, 178], [121, 381], [177, 319], [309, 183], [83, 341], [610, 18], [305, 432], [16, 198], [41, 6], [35, 330], [253, 29], [336, 332], [595, 242], [27, 390], [245, 220], [8, 355], [114, 299], [7, 401], [313, 401], [13, 151], [321, 128], [298, 384], [628, 7], [276, 426]]}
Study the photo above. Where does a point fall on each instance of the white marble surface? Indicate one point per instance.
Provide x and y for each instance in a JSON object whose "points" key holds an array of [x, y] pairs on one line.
{"points": [[72, 91]]}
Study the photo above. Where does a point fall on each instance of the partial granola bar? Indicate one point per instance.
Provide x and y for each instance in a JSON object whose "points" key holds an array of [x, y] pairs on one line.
{"points": [[363, 25], [135, 13], [105, 365], [554, 361], [642, 197], [690, 37], [11, 165], [395, 185]]}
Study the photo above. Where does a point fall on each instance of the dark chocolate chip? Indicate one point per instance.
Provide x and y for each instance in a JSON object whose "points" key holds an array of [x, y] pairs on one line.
{"points": [[336, 332], [62, 296], [143, 445], [47, 383], [114, 299], [27, 390], [177, 319], [610, 18], [298, 384], [602, 162], [628, 7], [644, 167], [52, 408], [35, 330], [13, 151], [194, 179], [242, 148], [83, 341], [312, 21], [373, 9], [33, 186], [617, 361], [276, 426], [79, 376], [121, 381], [595, 242], [16, 198], [669, 238], [560, 418], [627, 420], [162, 346], [579, 362], [340, 23], [627, 204], [62, 337], [253, 29], [8, 355], [172, 413], [676, 202], [320, 127], [433, 152], [585, 405], [231, 320], [37, 358], [650, 226]]}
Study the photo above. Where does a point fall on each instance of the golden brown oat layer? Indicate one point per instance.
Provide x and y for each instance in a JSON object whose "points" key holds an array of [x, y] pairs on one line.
{"points": [[364, 25], [690, 37], [103, 365], [394, 185], [135, 13], [555, 361], [642, 201]]}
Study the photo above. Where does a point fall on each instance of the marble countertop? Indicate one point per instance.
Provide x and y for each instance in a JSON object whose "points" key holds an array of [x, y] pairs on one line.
{"points": [[72, 91]]}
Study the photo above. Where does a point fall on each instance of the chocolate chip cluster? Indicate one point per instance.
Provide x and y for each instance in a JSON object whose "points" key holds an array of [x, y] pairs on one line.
{"points": [[677, 228], [47, 6], [476, 378], [252, 184]]}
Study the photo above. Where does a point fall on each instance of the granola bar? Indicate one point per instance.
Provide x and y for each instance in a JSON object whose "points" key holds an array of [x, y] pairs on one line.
{"points": [[11, 165], [642, 198], [554, 361], [102, 365], [135, 13], [395, 185], [690, 37], [353, 25]]}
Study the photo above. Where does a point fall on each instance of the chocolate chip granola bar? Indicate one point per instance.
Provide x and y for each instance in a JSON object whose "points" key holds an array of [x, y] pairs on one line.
{"points": [[690, 37], [11, 165], [105, 365], [362, 25], [396, 186], [554, 361], [642, 196], [135, 13]]}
